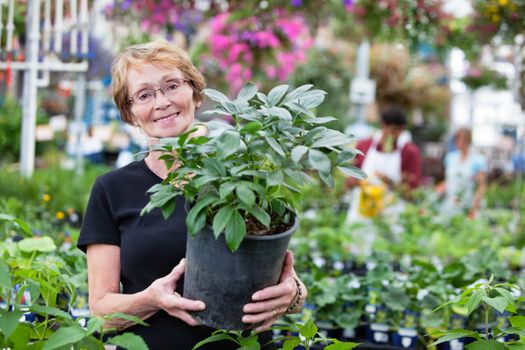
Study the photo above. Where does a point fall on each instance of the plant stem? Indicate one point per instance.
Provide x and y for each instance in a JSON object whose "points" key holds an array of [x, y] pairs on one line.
{"points": [[486, 323]]}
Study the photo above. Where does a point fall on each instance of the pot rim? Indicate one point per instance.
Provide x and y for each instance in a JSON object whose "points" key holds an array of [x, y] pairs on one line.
{"points": [[291, 230]]}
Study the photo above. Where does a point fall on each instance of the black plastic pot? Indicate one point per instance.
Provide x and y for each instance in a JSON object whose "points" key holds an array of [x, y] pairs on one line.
{"points": [[226, 281]]}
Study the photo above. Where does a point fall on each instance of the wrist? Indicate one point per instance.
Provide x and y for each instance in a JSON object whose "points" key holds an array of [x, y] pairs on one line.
{"points": [[297, 300]]}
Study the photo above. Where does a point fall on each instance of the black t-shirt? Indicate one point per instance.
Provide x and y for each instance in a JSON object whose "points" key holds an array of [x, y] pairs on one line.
{"points": [[150, 247]]}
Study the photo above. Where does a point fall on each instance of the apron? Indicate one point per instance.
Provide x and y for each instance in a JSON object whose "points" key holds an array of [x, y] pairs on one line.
{"points": [[388, 164]]}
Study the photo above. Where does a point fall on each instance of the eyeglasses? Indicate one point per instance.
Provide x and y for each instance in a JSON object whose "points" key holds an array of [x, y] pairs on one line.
{"points": [[168, 89]]}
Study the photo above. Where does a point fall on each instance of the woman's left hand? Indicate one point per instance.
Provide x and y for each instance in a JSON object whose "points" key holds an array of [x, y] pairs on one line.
{"points": [[273, 302]]}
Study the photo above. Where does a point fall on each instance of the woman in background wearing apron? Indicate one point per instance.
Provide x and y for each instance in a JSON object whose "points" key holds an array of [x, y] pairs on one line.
{"points": [[392, 162]]}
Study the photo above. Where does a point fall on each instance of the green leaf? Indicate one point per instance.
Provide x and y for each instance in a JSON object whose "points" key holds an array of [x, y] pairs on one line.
{"points": [[517, 321], [214, 166], [235, 231], [221, 219], [213, 338], [167, 209], [345, 156], [261, 215], [94, 324], [300, 109], [276, 94], [126, 317], [129, 341], [263, 98], [353, 171], [498, 303], [275, 178], [456, 334], [309, 330], [200, 222], [225, 189], [327, 178], [331, 141], [64, 336], [312, 98], [280, 112], [228, 143], [486, 345], [200, 181], [474, 300], [274, 145], [47, 310], [319, 161], [245, 194], [298, 152], [337, 345], [320, 120], [9, 321], [247, 92], [23, 226], [216, 95], [201, 203], [506, 294], [311, 134], [21, 336], [294, 95], [5, 277], [37, 244], [252, 127], [250, 343], [291, 344]]}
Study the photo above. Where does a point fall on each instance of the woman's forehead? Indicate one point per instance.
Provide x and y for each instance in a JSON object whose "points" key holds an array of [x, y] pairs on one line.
{"points": [[138, 75]]}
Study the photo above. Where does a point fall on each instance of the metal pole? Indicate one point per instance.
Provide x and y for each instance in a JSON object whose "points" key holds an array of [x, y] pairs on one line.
{"points": [[80, 107], [29, 107], [362, 71]]}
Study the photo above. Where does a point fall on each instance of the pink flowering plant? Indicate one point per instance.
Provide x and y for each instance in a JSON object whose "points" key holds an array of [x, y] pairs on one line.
{"points": [[478, 77], [264, 49]]}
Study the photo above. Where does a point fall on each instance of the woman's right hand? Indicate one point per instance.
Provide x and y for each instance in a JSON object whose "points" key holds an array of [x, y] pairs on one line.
{"points": [[163, 294]]}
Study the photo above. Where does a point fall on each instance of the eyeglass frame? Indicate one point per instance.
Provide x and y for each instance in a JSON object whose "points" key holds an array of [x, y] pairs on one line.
{"points": [[160, 88]]}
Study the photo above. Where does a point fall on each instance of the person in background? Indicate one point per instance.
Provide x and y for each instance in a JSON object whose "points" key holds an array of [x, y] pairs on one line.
{"points": [[136, 262], [391, 161], [465, 176]]}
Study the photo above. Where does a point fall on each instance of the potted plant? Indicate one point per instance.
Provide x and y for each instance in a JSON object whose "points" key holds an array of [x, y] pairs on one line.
{"points": [[242, 186]]}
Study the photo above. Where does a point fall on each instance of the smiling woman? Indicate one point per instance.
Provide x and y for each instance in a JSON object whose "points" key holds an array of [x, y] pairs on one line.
{"points": [[157, 88]]}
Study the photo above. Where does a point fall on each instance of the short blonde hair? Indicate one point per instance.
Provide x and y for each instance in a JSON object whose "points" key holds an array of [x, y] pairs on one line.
{"points": [[158, 52], [465, 132]]}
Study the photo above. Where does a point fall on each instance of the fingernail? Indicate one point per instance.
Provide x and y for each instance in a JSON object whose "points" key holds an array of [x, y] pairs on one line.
{"points": [[255, 296], [201, 306], [245, 319]]}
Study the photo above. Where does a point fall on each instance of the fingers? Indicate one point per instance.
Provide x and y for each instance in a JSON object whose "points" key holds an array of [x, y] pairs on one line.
{"points": [[279, 304], [178, 270], [184, 316], [284, 289], [266, 325], [177, 302], [179, 307], [287, 269], [268, 316]]}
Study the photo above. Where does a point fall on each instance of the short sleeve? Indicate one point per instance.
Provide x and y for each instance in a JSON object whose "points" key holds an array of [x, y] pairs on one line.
{"points": [[447, 160], [98, 225], [479, 164]]}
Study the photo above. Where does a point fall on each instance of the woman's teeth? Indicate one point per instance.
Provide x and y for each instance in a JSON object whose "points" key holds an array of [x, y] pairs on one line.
{"points": [[167, 118]]}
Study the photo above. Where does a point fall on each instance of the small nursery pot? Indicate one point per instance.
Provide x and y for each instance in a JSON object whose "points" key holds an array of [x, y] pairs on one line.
{"points": [[226, 281]]}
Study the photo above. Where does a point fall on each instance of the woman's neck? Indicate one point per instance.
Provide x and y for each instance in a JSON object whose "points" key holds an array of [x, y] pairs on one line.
{"points": [[156, 165]]}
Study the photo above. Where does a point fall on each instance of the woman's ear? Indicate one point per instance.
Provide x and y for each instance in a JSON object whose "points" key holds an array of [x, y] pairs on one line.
{"points": [[198, 104]]}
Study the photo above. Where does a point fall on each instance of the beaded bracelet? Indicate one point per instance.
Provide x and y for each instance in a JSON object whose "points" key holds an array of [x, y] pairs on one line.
{"points": [[297, 298]]}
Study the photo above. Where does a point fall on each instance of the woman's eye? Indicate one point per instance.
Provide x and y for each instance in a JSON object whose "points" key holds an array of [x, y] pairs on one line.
{"points": [[172, 87], [144, 95]]}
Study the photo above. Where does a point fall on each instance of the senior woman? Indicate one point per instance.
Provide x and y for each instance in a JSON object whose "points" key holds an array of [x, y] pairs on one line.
{"points": [[136, 263]]}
